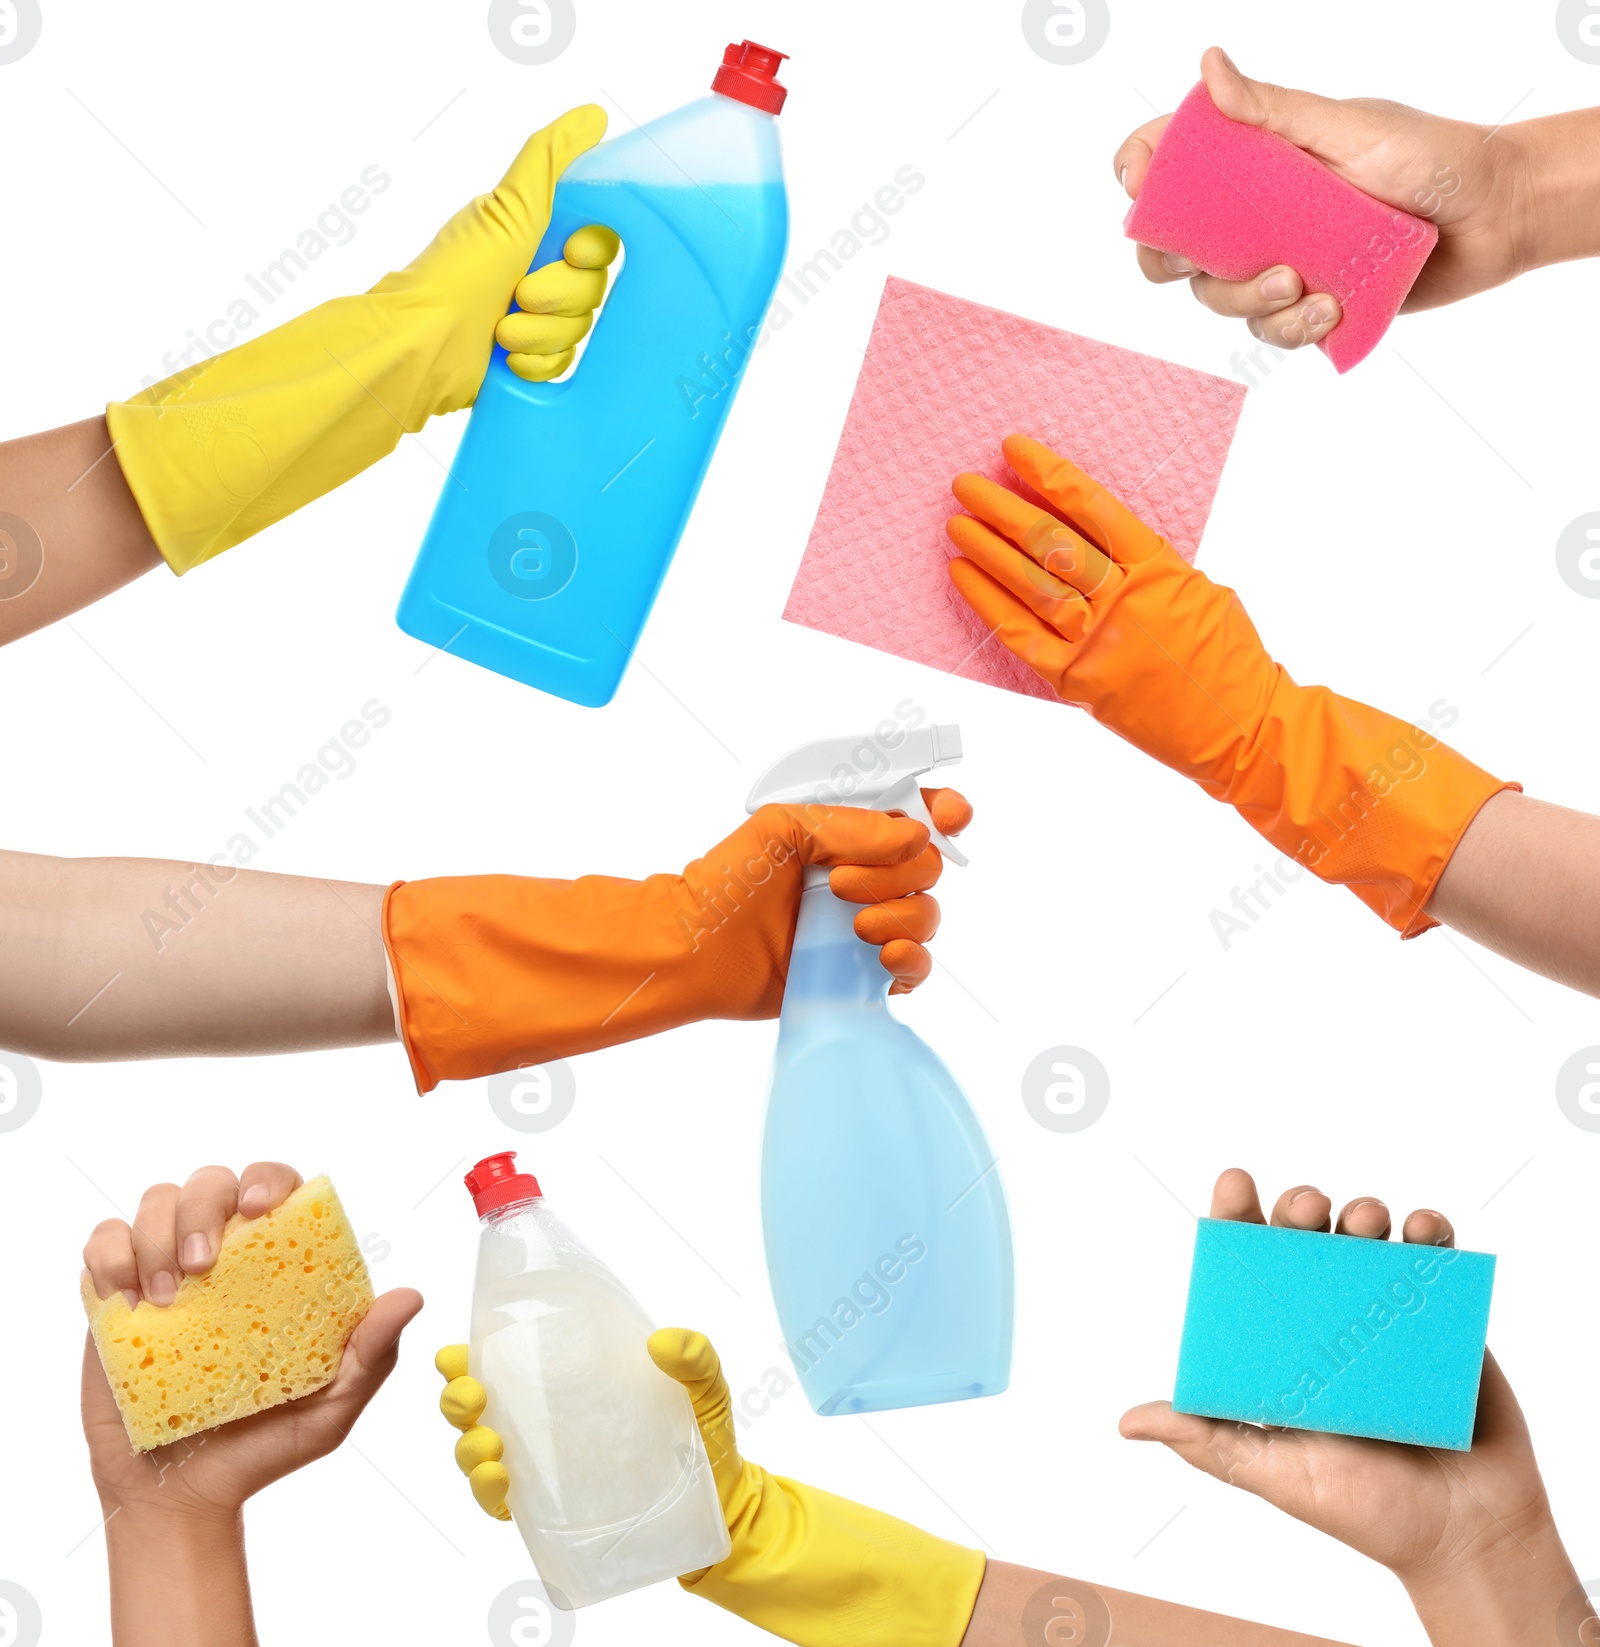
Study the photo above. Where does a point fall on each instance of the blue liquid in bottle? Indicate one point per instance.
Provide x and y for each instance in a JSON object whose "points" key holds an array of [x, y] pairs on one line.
{"points": [[566, 500], [888, 1240]]}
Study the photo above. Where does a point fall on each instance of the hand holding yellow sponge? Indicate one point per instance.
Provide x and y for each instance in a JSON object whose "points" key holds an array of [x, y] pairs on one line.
{"points": [[266, 1324]]}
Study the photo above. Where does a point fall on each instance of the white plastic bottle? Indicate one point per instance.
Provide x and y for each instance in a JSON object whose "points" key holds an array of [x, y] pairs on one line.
{"points": [[611, 1488]]}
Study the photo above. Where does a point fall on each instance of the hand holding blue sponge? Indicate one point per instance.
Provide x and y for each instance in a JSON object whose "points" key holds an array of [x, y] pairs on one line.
{"points": [[1334, 1332]]}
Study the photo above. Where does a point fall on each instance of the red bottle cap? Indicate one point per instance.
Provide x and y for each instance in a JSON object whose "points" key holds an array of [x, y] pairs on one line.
{"points": [[495, 1183], [750, 73]]}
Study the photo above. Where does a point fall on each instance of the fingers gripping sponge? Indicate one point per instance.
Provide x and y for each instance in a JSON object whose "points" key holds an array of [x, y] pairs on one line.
{"points": [[1331, 1332], [266, 1324], [1235, 200]]}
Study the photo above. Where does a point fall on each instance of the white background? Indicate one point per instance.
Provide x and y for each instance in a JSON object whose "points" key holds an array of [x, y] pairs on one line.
{"points": [[1392, 533]]}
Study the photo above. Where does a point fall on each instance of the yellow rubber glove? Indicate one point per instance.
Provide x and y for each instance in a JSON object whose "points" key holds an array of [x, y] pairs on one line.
{"points": [[479, 1450], [224, 448], [816, 1570]]}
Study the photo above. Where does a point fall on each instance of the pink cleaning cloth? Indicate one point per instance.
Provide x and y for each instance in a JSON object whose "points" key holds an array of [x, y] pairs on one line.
{"points": [[1235, 200], [943, 383]]}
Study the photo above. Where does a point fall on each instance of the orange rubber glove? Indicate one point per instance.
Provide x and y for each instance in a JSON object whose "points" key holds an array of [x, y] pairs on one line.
{"points": [[1114, 619], [494, 972]]}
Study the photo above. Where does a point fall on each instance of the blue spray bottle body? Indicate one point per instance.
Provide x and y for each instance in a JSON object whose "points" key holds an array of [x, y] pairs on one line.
{"points": [[887, 1236], [566, 500]]}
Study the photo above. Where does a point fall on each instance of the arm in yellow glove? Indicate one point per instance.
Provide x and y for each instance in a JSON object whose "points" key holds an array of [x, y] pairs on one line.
{"points": [[230, 444], [1113, 618], [822, 1571], [224, 448], [208, 960], [811, 1568]]}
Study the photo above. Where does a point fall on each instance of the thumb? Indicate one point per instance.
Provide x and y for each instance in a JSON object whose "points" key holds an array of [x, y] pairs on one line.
{"points": [[1222, 1449], [1499, 1412], [520, 204], [371, 1352], [688, 1357], [1323, 126]]}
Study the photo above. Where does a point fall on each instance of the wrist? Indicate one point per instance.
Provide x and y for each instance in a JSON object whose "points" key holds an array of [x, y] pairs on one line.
{"points": [[1553, 187], [177, 1575], [1503, 1597], [138, 1520]]}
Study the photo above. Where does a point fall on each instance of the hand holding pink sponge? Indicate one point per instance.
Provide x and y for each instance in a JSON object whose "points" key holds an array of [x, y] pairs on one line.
{"points": [[1235, 199]]}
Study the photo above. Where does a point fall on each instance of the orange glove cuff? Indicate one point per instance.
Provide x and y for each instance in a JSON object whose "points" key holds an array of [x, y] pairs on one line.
{"points": [[495, 972], [1360, 798]]}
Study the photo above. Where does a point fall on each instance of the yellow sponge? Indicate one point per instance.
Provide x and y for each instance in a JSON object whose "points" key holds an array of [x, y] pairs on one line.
{"points": [[266, 1324]]}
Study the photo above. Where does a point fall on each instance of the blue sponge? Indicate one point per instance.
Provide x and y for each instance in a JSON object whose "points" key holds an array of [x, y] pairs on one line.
{"points": [[1332, 1332]]}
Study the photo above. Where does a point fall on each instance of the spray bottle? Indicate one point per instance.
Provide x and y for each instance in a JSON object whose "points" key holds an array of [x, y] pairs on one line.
{"points": [[566, 500], [888, 1241]]}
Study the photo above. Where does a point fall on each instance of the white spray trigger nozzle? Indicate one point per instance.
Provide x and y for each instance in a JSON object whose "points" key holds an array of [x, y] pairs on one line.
{"points": [[908, 799], [873, 770]]}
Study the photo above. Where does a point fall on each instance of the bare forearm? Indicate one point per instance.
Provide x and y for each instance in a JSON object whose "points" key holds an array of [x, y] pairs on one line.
{"points": [[1021, 1604], [1525, 882], [1562, 162], [140, 958], [70, 532], [178, 1580]]}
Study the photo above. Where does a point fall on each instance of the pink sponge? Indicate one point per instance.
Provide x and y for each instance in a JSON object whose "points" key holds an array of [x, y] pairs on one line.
{"points": [[1235, 200]]}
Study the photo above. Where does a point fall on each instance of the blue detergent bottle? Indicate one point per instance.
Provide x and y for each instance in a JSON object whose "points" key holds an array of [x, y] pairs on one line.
{"points": [[888, 1240], [566, 500]]}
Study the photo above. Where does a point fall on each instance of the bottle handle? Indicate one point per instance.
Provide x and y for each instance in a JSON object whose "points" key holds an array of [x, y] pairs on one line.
{"points": [[563, 222]]}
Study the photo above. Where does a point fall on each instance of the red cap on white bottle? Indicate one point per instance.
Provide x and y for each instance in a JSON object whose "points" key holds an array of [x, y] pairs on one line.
{"points": [[496, 1183], [750, 73]]}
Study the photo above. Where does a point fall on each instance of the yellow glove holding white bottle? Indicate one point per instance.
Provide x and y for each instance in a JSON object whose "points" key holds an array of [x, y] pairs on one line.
{"points": [[814, 1569]]}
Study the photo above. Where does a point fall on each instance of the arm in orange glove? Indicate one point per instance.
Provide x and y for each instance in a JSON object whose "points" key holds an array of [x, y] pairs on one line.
{"points": [[106, 958], [1114, 619], [495, 971]]}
